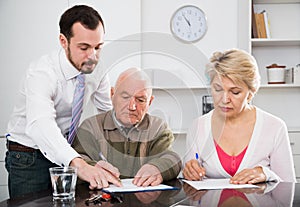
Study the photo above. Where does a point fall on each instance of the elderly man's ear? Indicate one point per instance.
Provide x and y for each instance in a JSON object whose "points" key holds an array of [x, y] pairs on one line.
{"points": [[151, 99], [112, 91]]}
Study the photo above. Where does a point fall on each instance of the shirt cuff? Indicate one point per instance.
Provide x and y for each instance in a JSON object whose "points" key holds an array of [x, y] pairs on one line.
{"points": [[270, 175], [66, 156]]}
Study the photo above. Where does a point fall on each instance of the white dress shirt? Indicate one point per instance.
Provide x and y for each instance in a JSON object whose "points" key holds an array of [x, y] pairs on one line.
{"points": [[42, 115], [269, 147]]}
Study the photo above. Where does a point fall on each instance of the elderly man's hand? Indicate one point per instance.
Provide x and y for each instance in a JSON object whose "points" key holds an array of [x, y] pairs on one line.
{"points": [[148, 175]]}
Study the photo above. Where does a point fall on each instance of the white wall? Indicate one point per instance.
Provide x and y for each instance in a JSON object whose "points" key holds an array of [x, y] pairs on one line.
{"points": [[30, 29]]}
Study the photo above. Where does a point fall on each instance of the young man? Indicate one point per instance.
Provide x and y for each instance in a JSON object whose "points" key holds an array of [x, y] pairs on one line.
{"points": [[134, 143], [44, 120]]}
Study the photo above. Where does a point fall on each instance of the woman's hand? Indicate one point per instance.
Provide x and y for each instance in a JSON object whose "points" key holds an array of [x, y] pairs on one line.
{"points": [[250, 176], [193, 171]]}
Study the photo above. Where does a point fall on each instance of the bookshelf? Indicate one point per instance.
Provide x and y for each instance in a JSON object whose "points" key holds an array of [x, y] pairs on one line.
{"points": [[283, 48]]}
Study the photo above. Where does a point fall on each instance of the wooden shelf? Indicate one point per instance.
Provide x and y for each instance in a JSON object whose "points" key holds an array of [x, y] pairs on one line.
{"points": [[279, 86], [294, 129], [262, 42], [181, 88], [275, 1], [208, 87]]}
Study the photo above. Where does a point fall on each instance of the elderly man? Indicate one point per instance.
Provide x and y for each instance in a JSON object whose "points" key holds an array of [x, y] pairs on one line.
{"points": [[134, 143]]}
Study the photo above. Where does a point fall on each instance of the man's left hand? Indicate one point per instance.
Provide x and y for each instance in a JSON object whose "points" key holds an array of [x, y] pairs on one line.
{"points": [[148, 175]]}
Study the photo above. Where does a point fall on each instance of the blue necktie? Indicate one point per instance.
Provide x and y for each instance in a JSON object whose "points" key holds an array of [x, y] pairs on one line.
{"points": [[76, 107]]}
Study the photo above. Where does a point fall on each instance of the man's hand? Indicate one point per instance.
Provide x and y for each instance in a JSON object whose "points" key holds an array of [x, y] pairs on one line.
{"points": [[251, 176], [193, 171], [111, 174], [97, 176], [148, 175]]}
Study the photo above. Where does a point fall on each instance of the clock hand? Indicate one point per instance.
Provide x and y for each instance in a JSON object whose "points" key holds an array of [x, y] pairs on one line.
{"points": [[187, 20]]}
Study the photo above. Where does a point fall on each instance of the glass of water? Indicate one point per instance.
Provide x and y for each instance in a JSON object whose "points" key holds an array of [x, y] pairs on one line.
{"points": [[63, 183]]}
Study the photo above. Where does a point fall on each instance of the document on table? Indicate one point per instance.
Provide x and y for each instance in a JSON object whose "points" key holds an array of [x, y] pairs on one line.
{"points": [[208, 184], [128, 186]]}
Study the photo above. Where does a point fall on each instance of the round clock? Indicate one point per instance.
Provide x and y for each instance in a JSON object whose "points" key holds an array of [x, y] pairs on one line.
{"points": [[188, 23]]}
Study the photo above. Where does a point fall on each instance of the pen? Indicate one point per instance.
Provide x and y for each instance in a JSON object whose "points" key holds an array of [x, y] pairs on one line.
{"points": [[105, 160], [197, 158], [102, 157]]}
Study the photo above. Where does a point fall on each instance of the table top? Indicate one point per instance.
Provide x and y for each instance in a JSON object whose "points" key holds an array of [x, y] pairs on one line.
{"points": [[270, 194]]}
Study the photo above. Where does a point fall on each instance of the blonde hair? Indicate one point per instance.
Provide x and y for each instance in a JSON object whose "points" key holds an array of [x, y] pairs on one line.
{"points": [[237, 65]]}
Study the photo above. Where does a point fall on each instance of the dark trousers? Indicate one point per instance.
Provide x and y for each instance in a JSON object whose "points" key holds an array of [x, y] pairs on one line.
{"points": [[27, 172]]}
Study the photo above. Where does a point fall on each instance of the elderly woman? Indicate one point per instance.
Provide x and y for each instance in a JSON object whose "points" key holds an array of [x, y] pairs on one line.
{"points": [[237, 140]]}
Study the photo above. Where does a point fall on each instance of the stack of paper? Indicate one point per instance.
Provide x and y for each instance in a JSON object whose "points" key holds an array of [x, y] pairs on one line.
{"points": [[208, 184], [128, 186]]}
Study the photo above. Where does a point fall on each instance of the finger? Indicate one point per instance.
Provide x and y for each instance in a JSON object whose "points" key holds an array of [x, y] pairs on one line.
{"points": [[148, 181], [255, 180], [109, 177], [242, 178], [190, 173], [108, 167], [157, 181], [140, 180], [195, 170], [99, 184], [93, 184]]}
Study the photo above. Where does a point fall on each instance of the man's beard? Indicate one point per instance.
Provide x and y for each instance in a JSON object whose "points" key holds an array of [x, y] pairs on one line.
{"points": [[86, 67]]}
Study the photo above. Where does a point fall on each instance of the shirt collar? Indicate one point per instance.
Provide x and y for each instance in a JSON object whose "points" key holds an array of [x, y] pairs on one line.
{"points": [[67, 68], [113, 123], [119, 125]]}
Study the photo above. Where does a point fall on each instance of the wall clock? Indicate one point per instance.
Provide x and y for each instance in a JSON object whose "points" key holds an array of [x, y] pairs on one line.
{"points": [[188, 24]]}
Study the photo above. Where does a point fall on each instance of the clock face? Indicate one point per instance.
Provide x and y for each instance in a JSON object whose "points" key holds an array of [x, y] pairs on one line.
{"points": [[188, 24]]}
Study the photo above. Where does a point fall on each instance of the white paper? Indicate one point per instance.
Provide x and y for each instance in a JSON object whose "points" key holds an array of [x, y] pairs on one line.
{"points": [[208, 184], [183, 206], [128, 186]]}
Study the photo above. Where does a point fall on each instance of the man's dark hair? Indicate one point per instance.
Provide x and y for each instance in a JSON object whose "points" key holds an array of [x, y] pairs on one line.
{"points": [[86, 15]]}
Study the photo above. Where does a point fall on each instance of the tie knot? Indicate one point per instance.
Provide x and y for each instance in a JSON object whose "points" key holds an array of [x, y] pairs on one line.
{"points": [[81, 79]]}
